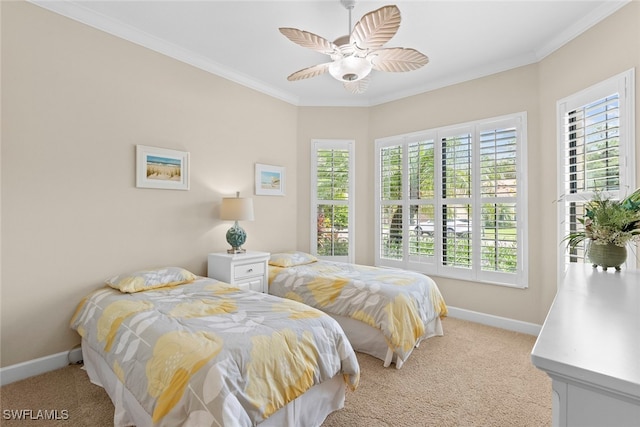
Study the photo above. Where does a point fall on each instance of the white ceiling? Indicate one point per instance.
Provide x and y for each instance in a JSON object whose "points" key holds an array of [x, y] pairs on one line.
{"points": [[239, 40]]}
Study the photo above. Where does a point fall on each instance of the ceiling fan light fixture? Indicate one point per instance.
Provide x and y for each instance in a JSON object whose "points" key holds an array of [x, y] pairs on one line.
{"points": [[353, 56], [350, 69]]}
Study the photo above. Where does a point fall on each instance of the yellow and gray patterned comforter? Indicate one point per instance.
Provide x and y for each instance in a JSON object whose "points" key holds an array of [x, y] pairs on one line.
{"points": [[212, 353], [399, 303]]}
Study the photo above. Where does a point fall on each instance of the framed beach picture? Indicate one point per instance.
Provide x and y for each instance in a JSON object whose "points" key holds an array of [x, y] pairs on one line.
{"points": [[161, 168], [269, 180]]}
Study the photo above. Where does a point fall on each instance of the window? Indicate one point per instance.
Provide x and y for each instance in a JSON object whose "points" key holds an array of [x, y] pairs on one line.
{"points": [[451, 201], [595, 134], [332, 199]]}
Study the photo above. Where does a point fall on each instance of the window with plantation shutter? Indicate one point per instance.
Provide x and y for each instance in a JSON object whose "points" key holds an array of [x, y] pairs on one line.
{"points": [[421, 168], [499, 199], [451, 201], [332, 199], [457, 178], [596, 152], [390, 207]]}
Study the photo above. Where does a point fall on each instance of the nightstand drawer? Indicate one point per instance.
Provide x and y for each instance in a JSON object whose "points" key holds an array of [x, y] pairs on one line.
{"points": [[252, 285], [248, 270]]}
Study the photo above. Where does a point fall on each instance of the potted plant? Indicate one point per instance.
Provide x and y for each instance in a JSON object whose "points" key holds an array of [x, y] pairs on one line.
{"points": [[608, 227]]}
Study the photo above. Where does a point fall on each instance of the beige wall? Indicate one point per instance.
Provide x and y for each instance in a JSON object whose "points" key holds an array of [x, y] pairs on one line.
{"points": [[76, 101]]}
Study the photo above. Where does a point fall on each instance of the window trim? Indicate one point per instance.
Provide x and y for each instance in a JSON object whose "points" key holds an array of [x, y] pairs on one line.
{"points": [[519, 279], [624, 85], [341, 144]]}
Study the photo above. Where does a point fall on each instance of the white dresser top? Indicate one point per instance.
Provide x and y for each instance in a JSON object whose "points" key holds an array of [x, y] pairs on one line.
{"points": [[592, 332]]}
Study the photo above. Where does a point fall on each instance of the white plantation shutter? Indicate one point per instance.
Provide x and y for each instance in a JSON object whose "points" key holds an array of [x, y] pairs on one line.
{"points": [[452, 201], [332, 200], [457, 184], [391, 204], [421, 167], [456, 161], [591, 149], [592, 146], [498, 162], [499, 199], [596, 152]]}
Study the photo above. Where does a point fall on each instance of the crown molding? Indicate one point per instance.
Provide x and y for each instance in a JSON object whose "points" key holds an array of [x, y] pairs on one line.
{"points": [[79, 13], [580, 26]]}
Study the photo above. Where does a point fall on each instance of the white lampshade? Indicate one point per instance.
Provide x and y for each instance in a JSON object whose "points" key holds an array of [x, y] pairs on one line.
{"points": [[350, 69], [236, 209]]}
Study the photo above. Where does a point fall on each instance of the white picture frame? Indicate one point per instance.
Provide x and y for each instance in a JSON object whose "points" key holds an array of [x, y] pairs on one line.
{"points": [[162, 168], [270, 180]]}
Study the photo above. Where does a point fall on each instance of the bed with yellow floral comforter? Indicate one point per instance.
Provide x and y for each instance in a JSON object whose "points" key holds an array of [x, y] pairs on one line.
{"points": [[207, 353], [401, 304]]}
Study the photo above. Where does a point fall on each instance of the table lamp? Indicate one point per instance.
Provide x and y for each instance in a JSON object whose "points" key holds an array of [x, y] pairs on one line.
{"points": [[236, 209]]}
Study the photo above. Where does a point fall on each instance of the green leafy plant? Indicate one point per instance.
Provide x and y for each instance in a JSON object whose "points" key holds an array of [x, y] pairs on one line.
{"points": [[609, 221]]}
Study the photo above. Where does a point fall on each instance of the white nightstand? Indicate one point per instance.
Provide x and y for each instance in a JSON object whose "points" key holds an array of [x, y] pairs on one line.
{"points": [[247, 271]]}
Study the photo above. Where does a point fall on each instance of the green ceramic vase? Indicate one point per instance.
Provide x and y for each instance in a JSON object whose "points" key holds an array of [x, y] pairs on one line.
{"points": [[606, 256]]}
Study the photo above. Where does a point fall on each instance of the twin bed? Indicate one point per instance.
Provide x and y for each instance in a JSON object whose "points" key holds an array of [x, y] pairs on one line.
{"points": [[171, 348], [385, 313], [199, 352]]}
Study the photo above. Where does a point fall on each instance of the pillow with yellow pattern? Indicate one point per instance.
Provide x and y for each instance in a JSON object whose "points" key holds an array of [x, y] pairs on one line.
{"points": [[291, 259], [144, 280]]}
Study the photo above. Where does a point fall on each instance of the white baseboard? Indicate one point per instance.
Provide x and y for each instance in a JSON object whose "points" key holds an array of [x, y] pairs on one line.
{"points": [[39, 366], [495, 321], [20, 371]]}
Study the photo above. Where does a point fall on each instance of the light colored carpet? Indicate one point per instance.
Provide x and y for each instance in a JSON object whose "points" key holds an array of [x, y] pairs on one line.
{"points": [[475, 375]]}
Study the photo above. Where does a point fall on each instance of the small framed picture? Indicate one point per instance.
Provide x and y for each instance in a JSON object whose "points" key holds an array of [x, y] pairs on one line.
{"points": [[161, 168], [270, 180]]}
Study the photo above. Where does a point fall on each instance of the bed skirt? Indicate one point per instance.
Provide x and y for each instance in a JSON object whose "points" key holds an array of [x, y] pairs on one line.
{"points": [[369, 340], [308, 410]]}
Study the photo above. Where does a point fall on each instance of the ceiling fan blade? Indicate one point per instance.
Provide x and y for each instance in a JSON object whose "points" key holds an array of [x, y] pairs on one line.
{"points": [[397, 59], [359, 86], [309, 40], [376, 28], [309, 72]]}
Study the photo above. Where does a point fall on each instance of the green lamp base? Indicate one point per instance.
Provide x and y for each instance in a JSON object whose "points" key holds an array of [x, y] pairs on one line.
{"points": [[236, 238]]}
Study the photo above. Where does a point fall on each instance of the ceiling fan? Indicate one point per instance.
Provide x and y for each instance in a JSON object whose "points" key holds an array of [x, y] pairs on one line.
{"points": [[354, 56]]}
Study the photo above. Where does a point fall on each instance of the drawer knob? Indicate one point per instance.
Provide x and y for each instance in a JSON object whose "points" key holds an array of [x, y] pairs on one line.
{"points": [[250, 270]]}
